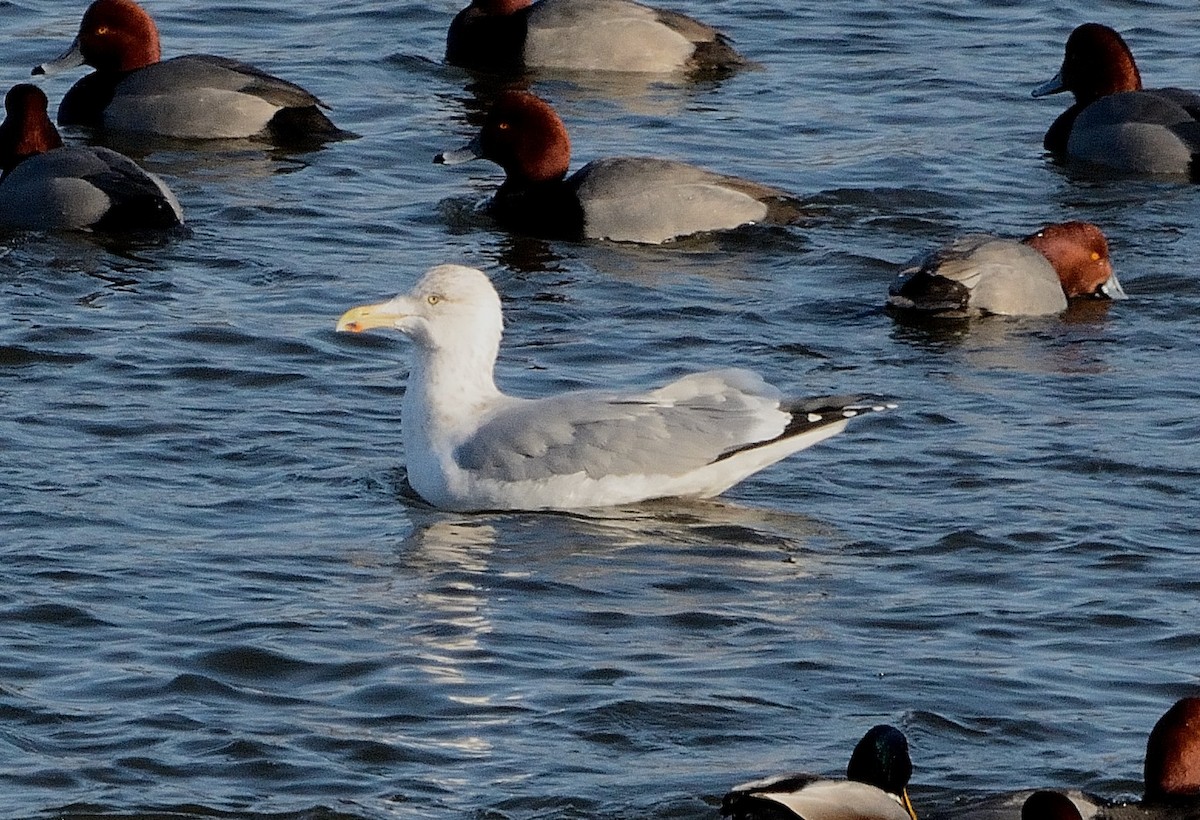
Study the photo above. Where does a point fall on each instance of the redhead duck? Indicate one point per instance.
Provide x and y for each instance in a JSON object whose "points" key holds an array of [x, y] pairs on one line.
{"points": [[196, 96], [1049, 805], [46, 185], [1171, 776], [988, 274], [470, 447], [1114, 121], [875, 788], [1172, 770], [625, 199], [510, 36]]}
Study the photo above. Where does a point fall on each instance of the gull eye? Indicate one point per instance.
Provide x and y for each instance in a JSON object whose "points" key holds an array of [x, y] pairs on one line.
{"points": [[433, 299]]}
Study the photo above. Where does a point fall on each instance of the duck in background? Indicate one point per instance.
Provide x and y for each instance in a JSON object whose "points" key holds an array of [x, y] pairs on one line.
{"points": [[1050, 805], [1171, 775], [1172, 768], [196, 96], [46, 185], [511, 36], [624, 199], [985, 274], [1114, 121], [875, 788]]}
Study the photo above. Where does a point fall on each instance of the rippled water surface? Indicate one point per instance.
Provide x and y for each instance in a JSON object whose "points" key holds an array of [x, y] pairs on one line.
{"points": [[219, 598]]}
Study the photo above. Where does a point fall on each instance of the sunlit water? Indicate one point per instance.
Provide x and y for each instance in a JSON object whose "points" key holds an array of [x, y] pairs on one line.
{"points": [[219, 597]]}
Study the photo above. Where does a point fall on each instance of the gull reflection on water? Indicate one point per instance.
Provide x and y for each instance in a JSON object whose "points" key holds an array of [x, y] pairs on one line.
{"points": [[443, 539], [451, 554], [469, 566], [489, 610]]}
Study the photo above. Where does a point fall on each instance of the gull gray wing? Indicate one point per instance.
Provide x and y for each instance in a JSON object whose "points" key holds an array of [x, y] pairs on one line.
{"points": [[670, 431]]}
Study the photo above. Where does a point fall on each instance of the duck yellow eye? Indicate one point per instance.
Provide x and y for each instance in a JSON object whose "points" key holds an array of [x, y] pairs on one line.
{"points": [[1095, 256], [433, 299], [101, 30]]}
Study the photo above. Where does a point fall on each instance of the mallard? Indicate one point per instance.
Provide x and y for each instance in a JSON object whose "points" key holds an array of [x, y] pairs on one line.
{"points": [[875, 787]]}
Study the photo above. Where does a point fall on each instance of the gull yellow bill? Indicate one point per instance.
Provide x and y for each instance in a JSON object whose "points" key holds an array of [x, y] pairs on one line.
{"points": [[365, 317]]}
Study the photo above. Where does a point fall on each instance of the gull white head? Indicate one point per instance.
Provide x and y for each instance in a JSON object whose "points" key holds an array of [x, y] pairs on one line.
{"points": [[451, 308]]}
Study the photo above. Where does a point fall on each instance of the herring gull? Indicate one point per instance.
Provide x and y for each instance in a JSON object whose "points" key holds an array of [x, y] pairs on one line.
{"points": [[470, 447]]}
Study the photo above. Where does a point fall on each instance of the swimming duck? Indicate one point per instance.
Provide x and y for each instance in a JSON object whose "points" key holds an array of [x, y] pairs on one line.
{"points": [[196, 96], [1172, 769], [1049, 805], [510, 36], [1171, 775], [982, 273], [1114, 121], [46, 185], [875, 788], [625, 199]]}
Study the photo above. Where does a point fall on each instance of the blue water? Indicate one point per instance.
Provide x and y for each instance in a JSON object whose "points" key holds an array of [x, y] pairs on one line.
{"points": [[218, 597]]}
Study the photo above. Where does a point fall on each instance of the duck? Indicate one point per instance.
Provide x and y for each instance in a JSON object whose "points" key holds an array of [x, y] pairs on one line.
{"points": [[46, 185], [472, 448], [1115, 122], [513, 36], [986, 274], [194, 96], [1172, 767], [875, 788], [623, 199], [1045, 804], [1171, 777]]}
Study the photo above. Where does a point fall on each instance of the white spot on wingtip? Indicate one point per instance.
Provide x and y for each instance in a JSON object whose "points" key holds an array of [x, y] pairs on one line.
{"points": [[814, 417], [849, 413]]}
